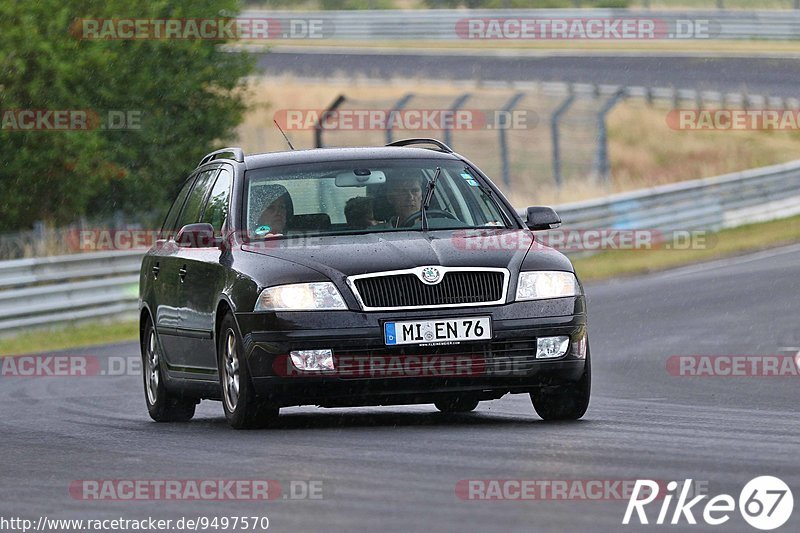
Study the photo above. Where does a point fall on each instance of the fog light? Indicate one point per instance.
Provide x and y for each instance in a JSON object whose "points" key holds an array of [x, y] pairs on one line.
{"points": [[551, 347], [319, 360]]}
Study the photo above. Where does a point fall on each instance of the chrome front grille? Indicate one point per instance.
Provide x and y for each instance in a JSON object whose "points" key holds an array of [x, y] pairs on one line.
{"points": [[406, 289]]}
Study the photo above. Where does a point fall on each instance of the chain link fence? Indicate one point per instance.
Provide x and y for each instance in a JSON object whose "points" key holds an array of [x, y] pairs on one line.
{"points": [[528, 138]]}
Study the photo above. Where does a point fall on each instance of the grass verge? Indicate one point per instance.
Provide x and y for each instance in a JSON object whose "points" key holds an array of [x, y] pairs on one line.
{"points": [[726, 243], [79, 336]]}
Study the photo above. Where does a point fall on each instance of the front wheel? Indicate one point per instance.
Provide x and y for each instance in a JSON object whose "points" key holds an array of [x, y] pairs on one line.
{"points": [[161, 404], [565, 402], [243, 408]]}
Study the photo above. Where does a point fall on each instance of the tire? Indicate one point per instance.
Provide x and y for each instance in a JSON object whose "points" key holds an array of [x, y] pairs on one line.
{"points": [[565, 402], [162, 405], [243, 408], [457, 405]]}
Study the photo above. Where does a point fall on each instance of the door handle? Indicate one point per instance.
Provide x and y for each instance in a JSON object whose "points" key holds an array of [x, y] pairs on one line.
{"points": [[156, 270], [182, 273]]}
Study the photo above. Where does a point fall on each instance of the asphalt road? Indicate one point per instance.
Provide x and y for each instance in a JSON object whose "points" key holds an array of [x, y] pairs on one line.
{"points": [[395, 469], [765, 76]]}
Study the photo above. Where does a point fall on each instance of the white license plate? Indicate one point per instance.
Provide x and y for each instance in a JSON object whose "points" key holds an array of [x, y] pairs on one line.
{"points": [[435, 331]]}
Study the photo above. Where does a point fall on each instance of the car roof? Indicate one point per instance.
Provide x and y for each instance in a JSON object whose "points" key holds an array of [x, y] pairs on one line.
{"points": [[321, 155]]}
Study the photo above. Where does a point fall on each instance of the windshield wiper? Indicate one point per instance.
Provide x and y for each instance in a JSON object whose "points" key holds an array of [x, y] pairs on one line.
{"points": [[428, 197]]}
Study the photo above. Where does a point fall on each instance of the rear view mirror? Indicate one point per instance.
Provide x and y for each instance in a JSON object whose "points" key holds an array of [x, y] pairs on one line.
{"points": [[542, 218], [197, 236], [360, 177]]}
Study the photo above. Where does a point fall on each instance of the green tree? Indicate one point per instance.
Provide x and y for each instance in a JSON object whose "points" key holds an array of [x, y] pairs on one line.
{"points": [[187, 95]]}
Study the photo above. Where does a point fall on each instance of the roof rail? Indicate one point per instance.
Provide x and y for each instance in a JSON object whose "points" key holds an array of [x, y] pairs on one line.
{"points": [[237, 153], [408, 142]]}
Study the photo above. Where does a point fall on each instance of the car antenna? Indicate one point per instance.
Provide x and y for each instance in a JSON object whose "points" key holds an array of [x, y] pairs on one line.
{"points": [[284, 135]]}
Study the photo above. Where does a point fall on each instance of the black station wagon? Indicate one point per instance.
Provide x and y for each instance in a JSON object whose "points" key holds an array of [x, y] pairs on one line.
{"points": [[356, 276]]}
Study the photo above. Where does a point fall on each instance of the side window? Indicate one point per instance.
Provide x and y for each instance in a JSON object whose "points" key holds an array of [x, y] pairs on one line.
{"points": [[172, 216], [196, 199], [216, 210]]}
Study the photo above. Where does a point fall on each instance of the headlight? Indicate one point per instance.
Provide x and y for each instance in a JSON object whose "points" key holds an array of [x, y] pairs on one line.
{"points": [[301, 297], [541, 285]]}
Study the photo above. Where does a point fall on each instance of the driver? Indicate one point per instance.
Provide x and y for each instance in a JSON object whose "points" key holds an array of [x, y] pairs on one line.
{"points": [[404, 195]]}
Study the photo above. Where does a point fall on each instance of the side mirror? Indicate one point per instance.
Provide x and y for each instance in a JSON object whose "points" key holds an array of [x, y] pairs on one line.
{"points": [[197, 236], [541, 218]]}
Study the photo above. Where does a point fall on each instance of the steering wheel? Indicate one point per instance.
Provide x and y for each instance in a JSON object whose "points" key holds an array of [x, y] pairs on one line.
{"points": [[436, 213]]}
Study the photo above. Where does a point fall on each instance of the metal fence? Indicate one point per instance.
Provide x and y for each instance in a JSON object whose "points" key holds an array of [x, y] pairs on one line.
{"points": [[716, 203], [54, 290], [563, 141]]}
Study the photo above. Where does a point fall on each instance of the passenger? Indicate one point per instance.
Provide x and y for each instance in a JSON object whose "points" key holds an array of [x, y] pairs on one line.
{"points": [[359, 212], [277, 212]]}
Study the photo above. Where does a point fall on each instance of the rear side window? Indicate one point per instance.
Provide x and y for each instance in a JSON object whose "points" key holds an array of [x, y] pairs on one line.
{"points": [[196, 199], [168, 229], [216, 210]]}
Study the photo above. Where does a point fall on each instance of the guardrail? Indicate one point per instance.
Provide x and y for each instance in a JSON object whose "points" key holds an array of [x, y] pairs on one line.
{"points": [[53, 290], [726, 201], [451, 24], [62, 289]]}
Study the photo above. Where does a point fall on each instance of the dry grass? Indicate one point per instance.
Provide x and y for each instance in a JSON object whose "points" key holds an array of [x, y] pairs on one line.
{"points": [[644, 151], [84, 335]]}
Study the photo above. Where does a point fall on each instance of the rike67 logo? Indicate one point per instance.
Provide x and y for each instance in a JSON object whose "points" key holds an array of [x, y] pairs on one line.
{"points": [[765, 503]]}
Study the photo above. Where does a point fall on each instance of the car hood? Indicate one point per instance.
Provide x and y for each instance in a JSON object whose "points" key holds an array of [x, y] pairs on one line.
{"points": [[347, 255]]}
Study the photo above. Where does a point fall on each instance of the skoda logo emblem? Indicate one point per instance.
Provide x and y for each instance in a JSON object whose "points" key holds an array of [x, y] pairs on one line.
{"points": [[431, 275]]}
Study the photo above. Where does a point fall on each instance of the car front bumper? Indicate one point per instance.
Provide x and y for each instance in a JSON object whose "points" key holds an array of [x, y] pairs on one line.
{"points": [[371, 373]]}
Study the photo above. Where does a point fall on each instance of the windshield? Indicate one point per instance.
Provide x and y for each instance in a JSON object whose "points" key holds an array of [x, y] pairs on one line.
{"points": [[367, 196]]}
